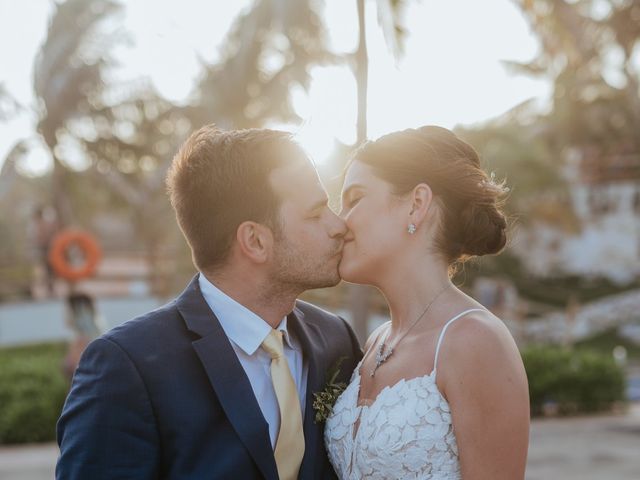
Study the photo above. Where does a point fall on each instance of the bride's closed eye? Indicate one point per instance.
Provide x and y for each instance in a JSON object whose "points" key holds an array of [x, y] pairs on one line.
{"points": [[353, 201], [351, 196]]}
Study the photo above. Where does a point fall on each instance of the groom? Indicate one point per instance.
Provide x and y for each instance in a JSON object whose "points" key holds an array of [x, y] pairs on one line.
{"points": [[219, 383]]}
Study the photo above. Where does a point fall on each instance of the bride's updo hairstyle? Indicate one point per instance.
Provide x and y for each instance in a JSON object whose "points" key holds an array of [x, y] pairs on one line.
{"points": [[472, 223]]}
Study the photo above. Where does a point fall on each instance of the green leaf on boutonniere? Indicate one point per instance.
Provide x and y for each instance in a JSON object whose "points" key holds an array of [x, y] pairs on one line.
{"points": [[324, 400]]}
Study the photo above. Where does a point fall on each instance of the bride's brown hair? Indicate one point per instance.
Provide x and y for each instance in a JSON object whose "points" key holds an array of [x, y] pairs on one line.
{"points": [[472, 221]]}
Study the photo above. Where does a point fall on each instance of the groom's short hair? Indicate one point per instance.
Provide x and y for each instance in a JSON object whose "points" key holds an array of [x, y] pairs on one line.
{"points": [[219, 179]]}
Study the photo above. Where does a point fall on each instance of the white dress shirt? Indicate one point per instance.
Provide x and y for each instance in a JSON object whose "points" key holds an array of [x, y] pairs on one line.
{"points": [[247, 331]]}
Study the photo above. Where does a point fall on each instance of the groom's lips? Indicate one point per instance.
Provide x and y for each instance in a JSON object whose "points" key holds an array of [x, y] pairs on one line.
{"points": [[338, 252], [344, 246]]}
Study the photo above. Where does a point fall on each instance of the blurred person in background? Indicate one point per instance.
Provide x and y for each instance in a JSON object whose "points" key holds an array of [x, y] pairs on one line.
{"points": [[42, 230], [86, 325]]}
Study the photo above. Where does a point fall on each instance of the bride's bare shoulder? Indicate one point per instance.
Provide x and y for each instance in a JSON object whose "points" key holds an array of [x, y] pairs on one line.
{"points": [[479, 339]]}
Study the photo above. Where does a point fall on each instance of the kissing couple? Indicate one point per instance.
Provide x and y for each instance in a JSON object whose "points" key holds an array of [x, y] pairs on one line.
{"points": [[220, 383]]}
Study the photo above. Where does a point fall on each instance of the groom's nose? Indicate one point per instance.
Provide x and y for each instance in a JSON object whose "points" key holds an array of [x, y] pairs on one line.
{"points": [[337, 226]]}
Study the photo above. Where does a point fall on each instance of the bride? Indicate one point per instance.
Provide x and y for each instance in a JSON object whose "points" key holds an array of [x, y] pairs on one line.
{"points": [[441, 392]]}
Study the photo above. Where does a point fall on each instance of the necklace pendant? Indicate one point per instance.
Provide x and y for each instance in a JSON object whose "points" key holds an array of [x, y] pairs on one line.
{"points": [[377, 365], [381, 357]]}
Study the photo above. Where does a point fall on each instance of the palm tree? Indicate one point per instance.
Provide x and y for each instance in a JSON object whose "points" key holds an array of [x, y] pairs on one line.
{"points": [[270, 49], [132, 162], [68, 71], [588, 108]]}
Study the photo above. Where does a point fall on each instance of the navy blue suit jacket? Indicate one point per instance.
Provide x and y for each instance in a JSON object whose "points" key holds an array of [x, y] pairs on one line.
{"points": [[165, 396]]}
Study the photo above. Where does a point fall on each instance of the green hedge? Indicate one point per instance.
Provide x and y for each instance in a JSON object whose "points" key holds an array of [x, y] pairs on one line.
{"points": [[32, 392], [33, 389], [574, 381]]}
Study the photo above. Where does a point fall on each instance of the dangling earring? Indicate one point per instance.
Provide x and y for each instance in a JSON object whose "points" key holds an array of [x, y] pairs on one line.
{"points": [[411, 228]]}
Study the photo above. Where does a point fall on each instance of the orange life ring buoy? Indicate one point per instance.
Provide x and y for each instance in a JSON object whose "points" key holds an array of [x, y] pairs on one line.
{"points": [[58, 254]]}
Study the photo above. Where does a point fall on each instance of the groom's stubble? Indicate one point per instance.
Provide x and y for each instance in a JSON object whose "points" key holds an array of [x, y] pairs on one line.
{"points": [[296, 270]]}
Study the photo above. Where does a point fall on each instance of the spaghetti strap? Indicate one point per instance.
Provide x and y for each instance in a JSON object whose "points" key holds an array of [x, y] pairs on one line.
{"points": [[442, 332]]}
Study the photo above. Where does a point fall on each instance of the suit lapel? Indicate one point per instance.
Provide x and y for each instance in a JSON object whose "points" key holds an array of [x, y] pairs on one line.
{"points": [[228, 378], [312, 347]]}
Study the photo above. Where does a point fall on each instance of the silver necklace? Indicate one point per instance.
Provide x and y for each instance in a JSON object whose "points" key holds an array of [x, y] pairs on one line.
{"points": [[381, 355]]}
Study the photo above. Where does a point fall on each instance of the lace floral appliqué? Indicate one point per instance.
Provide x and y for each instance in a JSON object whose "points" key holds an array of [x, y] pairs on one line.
{"points": [[406, 433]]}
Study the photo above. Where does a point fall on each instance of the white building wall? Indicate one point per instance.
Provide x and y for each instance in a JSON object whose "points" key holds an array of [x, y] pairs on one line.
{"points": [[609, 241]]}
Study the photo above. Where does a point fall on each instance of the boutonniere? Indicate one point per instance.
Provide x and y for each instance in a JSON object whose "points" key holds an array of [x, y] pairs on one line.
{"points": [[324, 400]]}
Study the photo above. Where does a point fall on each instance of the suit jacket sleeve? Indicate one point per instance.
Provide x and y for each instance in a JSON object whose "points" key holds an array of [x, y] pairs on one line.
{"points": [[107, 428]]}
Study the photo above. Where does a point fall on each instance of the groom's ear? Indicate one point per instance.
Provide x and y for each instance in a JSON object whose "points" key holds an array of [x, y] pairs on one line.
{"points": [[255, 241]]}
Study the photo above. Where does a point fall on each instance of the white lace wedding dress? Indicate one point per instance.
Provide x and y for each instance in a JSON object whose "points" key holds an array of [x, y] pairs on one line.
{"points": [[406, 433]]}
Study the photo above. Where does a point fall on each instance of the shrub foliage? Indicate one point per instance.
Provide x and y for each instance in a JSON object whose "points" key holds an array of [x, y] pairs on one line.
{"points": [[32, 392], [574, 381]]}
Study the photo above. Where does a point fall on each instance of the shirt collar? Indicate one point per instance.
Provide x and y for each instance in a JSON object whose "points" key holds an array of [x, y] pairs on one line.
{"points": [[246, 329]]}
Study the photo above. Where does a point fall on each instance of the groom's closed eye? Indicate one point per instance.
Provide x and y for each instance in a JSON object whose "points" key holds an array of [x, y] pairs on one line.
{"points": [[318, 209]]}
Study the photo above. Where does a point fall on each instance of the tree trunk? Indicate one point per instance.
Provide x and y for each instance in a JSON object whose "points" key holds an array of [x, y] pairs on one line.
{"points": [[359, 295], [362, 75]]}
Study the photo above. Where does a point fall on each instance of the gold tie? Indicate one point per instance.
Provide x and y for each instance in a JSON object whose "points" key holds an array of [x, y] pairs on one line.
{"points": [[290, 444]]}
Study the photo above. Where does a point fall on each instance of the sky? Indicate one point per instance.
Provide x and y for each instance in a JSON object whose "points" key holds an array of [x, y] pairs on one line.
{"points": [[451, 72]]}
